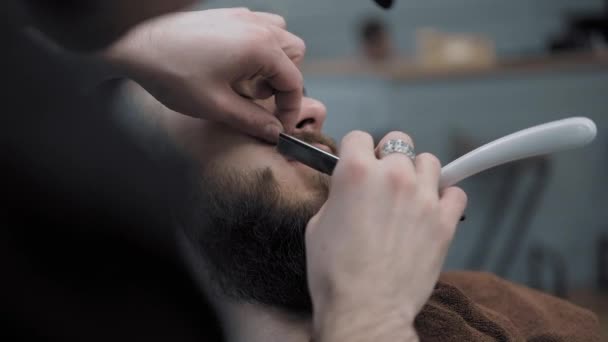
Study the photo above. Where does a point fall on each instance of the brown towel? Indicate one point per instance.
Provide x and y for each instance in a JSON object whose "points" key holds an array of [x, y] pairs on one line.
{"points": [[468, 306]]}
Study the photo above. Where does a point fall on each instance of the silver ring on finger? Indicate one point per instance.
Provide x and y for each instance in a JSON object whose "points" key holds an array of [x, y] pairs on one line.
{"points": [[398, 146]]}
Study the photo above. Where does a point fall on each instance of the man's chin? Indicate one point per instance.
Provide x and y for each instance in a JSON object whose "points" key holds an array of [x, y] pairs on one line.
{"points": [[251, 238]]}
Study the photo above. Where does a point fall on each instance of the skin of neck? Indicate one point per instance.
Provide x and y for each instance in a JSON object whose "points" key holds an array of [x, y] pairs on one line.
{"points": [[244, 321]]}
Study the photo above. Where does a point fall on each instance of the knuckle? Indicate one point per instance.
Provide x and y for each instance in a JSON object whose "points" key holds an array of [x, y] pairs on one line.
{"points": [[430, 159], [298, 79], [460, 196], [398, 180], [464, 199], [218, 102], [301, 45], [360, 133], [241, 11], [256, 38], [300, 50], [262, 34], [354, 169], [428, 203], [281, 20], [354, 135]]}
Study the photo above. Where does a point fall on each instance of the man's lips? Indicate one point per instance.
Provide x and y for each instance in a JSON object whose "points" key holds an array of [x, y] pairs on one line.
{"points": [[299, 164], [311, 149], [318, 140]]}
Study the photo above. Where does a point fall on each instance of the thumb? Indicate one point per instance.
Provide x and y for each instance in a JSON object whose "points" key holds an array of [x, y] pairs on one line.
{"points": [[250, 118]]}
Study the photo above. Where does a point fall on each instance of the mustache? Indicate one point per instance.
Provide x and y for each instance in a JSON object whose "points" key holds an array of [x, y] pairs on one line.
{"points": [[317, 138]]}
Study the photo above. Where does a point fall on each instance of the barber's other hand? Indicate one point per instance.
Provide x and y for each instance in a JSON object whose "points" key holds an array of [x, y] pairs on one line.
{"points": [[202, 63], [376, 248]]}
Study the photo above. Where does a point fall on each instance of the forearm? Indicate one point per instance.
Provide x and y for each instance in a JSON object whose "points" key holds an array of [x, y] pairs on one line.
{"points": [[127, 54], [119, 60], [332, 324]]}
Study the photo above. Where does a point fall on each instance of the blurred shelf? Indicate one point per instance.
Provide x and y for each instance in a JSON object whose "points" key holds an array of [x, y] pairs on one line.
{"points": [[407, 71]]}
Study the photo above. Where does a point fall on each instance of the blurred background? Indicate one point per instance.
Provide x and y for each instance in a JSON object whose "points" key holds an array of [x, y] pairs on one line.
{"points": [[456, 74]]}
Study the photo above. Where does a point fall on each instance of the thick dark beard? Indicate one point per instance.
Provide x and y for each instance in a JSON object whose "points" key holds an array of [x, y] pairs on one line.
{"points": [[251, 238]]}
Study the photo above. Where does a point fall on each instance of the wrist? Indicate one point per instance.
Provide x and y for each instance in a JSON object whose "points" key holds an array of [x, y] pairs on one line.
{"points": [[117, 56], [126, 56], [139, 57], [336, 322]]}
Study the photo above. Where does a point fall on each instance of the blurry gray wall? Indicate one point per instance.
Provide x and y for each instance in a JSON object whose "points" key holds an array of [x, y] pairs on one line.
{"points": [[329, 26], [573, 210]]}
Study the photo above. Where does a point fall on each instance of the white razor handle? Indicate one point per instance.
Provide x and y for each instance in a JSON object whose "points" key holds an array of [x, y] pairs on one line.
{"points": [[542, 139]]}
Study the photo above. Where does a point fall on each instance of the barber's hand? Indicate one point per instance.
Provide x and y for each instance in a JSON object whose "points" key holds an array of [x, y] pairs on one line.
{"points": [[376, 248], [212, 64]]}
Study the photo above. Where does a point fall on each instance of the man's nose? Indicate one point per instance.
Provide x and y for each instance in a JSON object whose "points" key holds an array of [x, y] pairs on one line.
{"points": [[312, 116]]}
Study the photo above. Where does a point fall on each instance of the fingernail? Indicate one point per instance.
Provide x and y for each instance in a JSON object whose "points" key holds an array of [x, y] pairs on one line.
{"points": [[463, 218], [272, 131]]}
